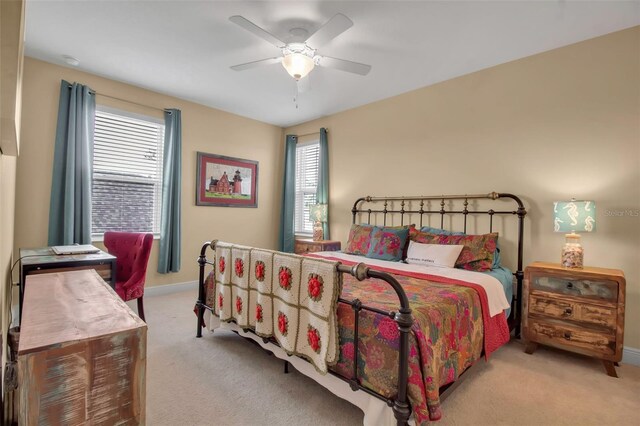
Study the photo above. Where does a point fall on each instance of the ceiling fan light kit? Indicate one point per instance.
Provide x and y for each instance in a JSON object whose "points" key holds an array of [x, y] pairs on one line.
{"points": [[298, 65], [299, 58]]}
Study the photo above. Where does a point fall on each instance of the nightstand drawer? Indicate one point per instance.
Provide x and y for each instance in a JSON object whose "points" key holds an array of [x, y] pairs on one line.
{"points": [[303, 246], [307, 248], [563, 335], [572, 311], [595, 289]]}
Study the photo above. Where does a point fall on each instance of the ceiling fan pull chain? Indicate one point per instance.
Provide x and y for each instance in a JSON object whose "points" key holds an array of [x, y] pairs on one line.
{"points": [[295, 96]]}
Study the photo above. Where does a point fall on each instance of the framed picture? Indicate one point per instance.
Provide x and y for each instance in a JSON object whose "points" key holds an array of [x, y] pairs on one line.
{"points": [[226, 181]]}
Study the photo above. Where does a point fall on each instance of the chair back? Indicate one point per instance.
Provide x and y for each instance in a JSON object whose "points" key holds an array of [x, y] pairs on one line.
{"points": [[131, 250]]}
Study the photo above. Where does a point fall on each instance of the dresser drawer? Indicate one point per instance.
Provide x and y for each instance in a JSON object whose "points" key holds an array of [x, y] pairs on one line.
{"points": [[594, 289], [564, 335], [572, 311]]}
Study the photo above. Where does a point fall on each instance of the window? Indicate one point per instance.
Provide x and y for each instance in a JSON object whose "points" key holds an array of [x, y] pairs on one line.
{"points": [[127, 172], [307, 168]]}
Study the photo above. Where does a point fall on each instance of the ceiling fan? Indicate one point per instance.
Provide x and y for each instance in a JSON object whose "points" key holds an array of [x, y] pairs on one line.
{"points": [[300, 57]]}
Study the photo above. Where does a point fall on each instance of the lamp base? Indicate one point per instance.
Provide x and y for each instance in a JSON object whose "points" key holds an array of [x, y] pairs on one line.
{"points": [[572, 252], [318, 232]]}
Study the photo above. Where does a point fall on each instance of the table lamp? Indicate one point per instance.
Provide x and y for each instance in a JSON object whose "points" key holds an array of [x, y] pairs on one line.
{"points": [[573, 216], [318, 214]]}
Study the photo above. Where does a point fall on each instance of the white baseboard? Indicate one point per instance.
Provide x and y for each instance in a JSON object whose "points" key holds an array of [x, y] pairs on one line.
{"points": [[161, 290], [631, 356]]}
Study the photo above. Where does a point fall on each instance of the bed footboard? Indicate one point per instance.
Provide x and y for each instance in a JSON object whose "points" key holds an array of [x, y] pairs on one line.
{"points": [[403, 318]]}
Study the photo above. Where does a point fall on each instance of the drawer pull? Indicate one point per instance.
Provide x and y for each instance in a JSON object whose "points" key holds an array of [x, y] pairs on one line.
{"points": [[567, 335], [567, 312], [569, 285]]}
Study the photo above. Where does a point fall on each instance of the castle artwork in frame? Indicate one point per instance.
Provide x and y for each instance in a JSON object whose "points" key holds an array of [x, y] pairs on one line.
{"points": [[226, 181]]}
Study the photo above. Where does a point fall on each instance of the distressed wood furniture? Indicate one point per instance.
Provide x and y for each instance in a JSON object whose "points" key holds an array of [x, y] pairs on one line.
{"points": [[44, 261], [304, 245], [406, 210], [82, 353], [579, 310]]}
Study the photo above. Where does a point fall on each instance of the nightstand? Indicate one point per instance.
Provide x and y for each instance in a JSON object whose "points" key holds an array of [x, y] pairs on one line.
{"points": [[309, 246], [579, 310]]}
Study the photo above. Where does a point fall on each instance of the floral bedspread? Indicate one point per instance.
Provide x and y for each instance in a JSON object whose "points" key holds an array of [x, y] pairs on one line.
{"points": [[448, 336]]}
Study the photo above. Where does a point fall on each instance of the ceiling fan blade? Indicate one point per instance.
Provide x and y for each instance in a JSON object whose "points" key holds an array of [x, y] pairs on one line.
{"points": [[253, 28], [261, 62], [344, 65], [332, 29]]}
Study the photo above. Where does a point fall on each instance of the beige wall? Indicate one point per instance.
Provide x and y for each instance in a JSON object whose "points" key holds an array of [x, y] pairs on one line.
{"points": [[203, 129], [7, 203], [11, 42], [557, 125]]}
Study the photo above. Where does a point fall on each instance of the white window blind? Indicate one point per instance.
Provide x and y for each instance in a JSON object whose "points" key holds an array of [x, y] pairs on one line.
{"points": [[307, 167], [127, 173]]}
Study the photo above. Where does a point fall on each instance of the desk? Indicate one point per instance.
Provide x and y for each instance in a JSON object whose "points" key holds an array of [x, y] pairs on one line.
{"points": [[82, 353], [43, 260]]}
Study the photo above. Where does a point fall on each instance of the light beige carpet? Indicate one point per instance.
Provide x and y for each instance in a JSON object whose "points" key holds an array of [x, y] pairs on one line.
{"points": [[223, 379]]}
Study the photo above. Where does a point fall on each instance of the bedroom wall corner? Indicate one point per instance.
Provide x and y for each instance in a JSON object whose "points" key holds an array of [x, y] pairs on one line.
{"points": [[548, 127], [204, 129]]}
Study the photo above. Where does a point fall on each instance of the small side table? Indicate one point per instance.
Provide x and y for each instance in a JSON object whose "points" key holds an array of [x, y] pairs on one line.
{"points": [[578, 310], [309, 246]]}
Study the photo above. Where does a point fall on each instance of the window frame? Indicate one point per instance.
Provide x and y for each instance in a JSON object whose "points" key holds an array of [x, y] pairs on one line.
{"points": [[99, 237], [296, 231]]}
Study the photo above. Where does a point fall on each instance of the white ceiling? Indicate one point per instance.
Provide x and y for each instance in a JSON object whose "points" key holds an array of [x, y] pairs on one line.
{"points": [[185, 48]]}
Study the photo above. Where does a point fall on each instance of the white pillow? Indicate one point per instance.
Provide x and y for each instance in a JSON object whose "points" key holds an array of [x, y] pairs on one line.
{"points": [[433, 254]]}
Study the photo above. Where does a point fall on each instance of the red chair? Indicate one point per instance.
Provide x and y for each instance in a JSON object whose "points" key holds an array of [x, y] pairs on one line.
{"points": [[131, 250]]}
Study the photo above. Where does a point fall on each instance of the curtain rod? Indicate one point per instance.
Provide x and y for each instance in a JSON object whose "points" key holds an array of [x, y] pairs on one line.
{"points": [[309, 134], [93, 92], [130, 102]]}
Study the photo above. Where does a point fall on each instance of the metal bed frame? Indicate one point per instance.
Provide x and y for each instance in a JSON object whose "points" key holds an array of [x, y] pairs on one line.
{"points": [[404, 319]]}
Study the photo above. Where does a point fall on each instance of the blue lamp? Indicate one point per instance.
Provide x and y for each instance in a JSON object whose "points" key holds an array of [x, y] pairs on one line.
{"points": [[573, 217]]}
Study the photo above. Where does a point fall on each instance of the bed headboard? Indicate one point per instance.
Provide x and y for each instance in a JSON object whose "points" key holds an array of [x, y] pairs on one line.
{"points": [[447, 211]]}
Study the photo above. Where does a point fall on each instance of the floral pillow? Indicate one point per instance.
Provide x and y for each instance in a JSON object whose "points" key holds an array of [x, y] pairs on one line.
{"points": [[478, 251], [412, 230], [388, 243], [359, 239], [438, 231]]}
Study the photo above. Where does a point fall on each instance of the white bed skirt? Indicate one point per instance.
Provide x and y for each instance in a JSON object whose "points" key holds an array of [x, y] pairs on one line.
{"points": [[376, 412]]}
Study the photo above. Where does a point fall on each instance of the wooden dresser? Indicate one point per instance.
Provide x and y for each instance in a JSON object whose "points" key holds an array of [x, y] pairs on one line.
{"points": [[309, 246], [82, 353], [579, 310]]}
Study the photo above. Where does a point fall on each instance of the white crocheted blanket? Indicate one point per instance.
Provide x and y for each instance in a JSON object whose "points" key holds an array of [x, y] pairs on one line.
{"points": [[289, 297]]}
